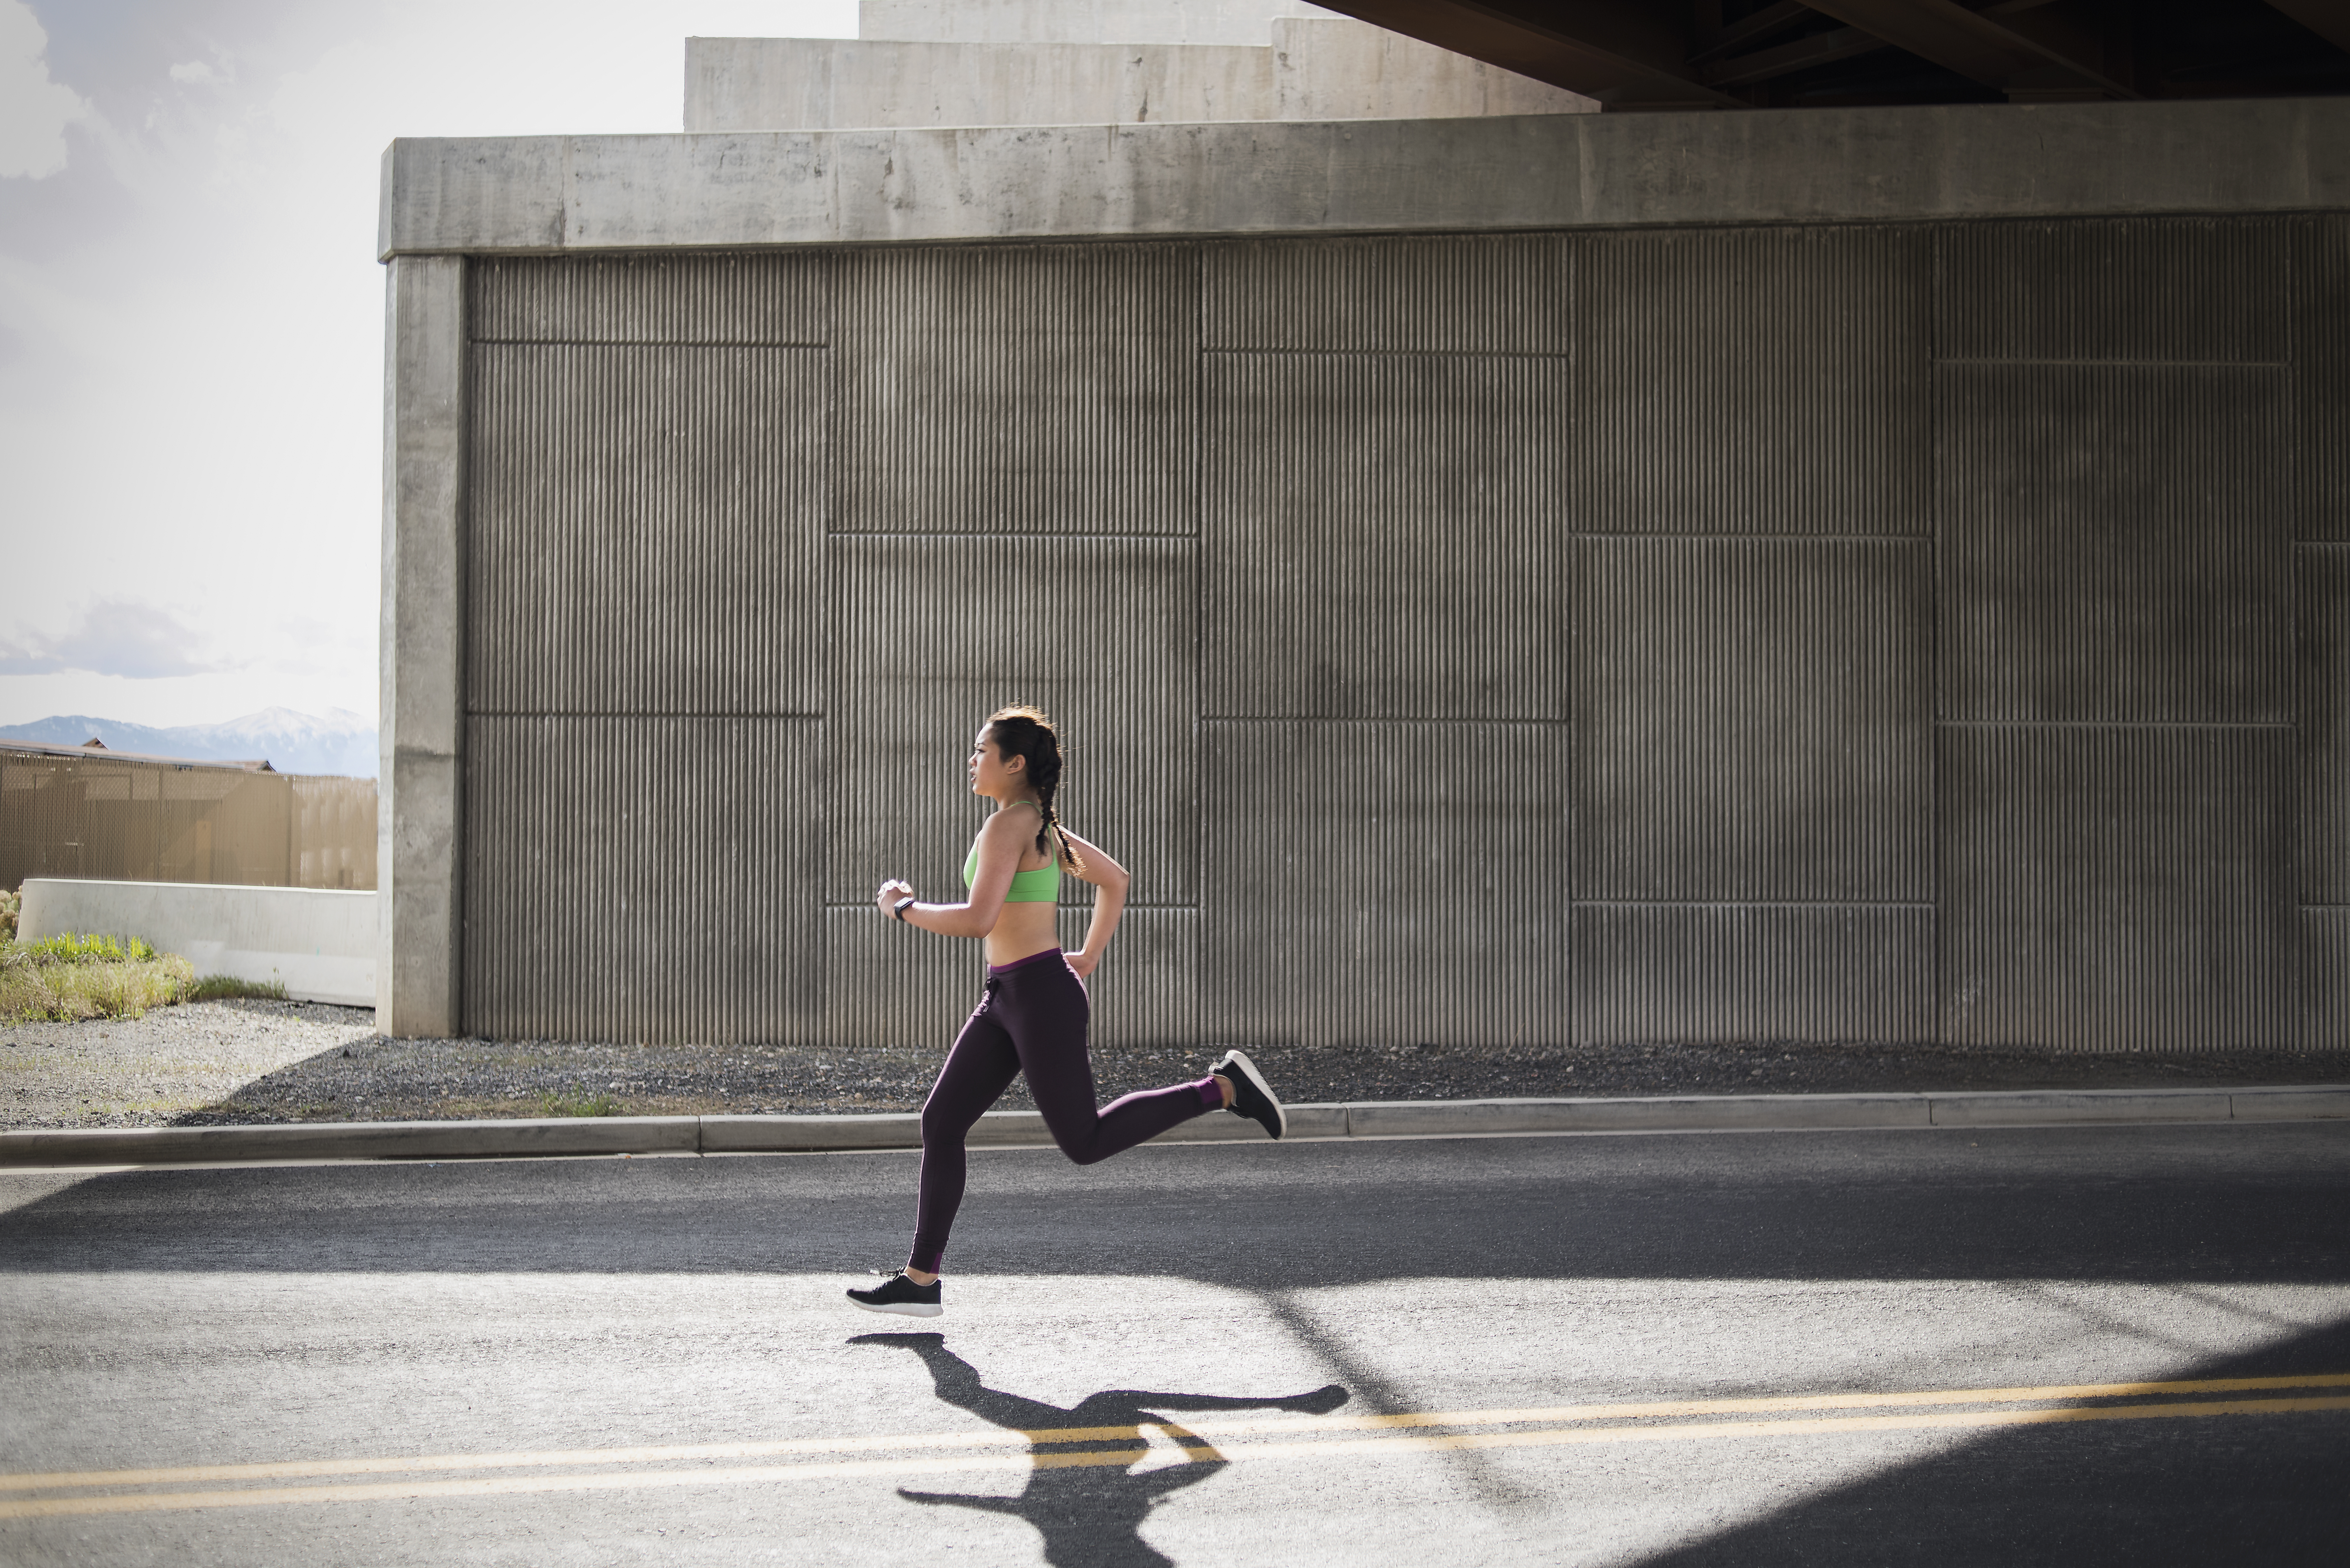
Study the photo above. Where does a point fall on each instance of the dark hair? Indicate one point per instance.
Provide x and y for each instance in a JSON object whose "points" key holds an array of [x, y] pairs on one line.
{"points": [[1026, 733]]}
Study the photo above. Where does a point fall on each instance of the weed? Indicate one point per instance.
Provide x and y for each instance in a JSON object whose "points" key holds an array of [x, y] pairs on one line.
{"points": [[37, 987], [551, 1103], [68, 948], [11, 905], [223, 987]]}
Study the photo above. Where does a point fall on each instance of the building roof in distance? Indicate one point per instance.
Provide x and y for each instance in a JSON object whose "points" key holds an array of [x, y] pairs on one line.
{"points": [[94, 750]]}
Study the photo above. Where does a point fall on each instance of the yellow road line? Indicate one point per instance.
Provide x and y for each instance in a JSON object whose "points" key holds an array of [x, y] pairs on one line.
{"points": [[296, 1470], [1372, 1447]]}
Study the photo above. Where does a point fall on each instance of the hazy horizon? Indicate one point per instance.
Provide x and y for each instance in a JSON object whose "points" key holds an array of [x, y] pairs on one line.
{"points": [[192, 314]]}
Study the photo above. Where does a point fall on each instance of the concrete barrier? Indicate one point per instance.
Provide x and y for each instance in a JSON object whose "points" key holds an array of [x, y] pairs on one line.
{"points": [[1363, 1119], [352, 1140], [1683, 1112], [2330, 1102], [808, 1135], [318, 942], [2025, 1107]]}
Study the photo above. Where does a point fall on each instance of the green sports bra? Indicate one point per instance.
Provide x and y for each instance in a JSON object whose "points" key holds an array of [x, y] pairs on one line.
{"points": [[1042, 886]]}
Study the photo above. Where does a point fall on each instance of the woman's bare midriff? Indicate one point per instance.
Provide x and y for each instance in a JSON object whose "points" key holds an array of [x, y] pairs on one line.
{"points": [[1021, 930]]}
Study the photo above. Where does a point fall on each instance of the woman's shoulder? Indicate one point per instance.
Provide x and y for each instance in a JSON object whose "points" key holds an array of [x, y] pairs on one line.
{"points": [[1010, 823]]}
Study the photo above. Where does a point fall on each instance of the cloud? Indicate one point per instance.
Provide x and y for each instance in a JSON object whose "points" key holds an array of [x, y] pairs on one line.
{"points": [[33, 110], [114, 636]]}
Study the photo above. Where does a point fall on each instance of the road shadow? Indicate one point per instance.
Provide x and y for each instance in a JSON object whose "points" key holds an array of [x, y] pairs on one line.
{"points": [[1089, 1514], [2267, 1488], [2227, 1205]]}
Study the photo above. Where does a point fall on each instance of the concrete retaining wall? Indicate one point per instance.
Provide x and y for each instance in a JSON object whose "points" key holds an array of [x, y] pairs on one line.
{"points": [[1792, 577], [319, 943]]}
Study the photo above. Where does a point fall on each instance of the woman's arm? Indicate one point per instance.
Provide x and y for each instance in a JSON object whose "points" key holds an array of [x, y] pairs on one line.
{"points": [[999, 838], [1095, 866]]}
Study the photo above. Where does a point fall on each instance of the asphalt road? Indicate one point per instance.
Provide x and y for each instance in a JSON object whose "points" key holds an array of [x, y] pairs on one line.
{"points": [[1882, 1347]]}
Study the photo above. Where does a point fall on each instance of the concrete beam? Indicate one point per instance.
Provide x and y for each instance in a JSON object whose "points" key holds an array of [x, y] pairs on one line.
{"points": [[1975, 46], [1076, 21], [2329, 19], [421, 837], [1625, 56], [787, 189], [1313, 71]]}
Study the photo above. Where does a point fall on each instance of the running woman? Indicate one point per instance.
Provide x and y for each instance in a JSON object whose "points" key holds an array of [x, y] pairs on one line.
{"points": [[1031, 1018]]}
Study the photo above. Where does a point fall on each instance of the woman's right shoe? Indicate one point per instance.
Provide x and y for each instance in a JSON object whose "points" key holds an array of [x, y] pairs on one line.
{"points": [[901, 1297], [1252, 1097]]}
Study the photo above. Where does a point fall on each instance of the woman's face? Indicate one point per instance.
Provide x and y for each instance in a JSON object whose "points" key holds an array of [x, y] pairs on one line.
{"points": [[992, 774]]}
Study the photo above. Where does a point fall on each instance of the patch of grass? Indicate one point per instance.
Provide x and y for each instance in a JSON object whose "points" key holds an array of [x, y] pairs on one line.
{"points": [[226, 987], [551, 1103], [68, 948], [74, 979]]}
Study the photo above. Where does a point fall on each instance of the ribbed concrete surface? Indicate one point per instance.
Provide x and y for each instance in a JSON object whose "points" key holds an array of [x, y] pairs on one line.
{"points": [[617, 888], [2117, 887], [1752, 380], [1812, 632]]}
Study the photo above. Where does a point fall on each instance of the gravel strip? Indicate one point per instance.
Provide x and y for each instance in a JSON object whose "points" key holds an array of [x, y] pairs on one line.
{"points": [[215, 1063], [154, 1070]]}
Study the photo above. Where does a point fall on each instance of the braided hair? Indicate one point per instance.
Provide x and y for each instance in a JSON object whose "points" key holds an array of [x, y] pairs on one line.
{"points": [[1025, 732]]}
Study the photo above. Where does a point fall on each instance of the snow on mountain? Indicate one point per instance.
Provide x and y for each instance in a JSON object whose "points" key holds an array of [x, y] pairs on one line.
{"points": [[341, 742]]}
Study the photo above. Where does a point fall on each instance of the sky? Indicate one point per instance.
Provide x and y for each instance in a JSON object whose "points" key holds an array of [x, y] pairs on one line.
{"points": [[191, 314]]}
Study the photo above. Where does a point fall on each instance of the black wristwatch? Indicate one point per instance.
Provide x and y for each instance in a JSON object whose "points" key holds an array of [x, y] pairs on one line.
{"points": [[897, 911]]}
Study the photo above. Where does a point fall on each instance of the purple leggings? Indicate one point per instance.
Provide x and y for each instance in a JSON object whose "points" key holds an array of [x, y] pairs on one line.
{"points": [[1032, 1020]]}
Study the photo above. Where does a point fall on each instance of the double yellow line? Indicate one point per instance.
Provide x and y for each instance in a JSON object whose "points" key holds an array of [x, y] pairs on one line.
{"points": [[1555, 1425]]}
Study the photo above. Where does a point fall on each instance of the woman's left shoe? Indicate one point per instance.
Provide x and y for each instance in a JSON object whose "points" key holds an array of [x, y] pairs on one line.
{"points": [[901, 1297], [1252, 1097]]}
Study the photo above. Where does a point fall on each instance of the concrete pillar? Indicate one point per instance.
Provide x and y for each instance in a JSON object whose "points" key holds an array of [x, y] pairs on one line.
{"points": [[421, 827]]}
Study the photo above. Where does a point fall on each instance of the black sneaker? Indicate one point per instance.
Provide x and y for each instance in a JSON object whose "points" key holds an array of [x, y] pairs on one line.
{"points": [[902, 1296], [1252, 1097]]}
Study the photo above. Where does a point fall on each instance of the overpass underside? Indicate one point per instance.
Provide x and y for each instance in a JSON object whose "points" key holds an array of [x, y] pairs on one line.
{"points": [[1871, 577]]}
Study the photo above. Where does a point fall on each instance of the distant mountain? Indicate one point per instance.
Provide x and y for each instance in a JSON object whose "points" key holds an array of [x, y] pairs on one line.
{"points": [[341, 742]]}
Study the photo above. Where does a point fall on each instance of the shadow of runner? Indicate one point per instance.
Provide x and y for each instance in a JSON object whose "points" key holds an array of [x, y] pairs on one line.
{"points": [[1090, 1517]]}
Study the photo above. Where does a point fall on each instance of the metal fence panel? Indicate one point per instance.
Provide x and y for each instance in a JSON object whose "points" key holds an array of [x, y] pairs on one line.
{"points": [[1753, 719], [1752, 972], [2115, 543], [1383, 534], [119, 819], [1016, 390], [637, 878], [645, 529], [1752, 380], [2110, 888], [1388, 881]]}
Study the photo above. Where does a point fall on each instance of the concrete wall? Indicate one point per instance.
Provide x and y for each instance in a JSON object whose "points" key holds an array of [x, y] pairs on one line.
{"points": [[1329, 70], [1811, 632], [319, 943], [420, 835], [1845, 594], [756, 189], [1079, 21]]}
